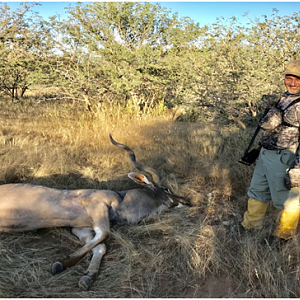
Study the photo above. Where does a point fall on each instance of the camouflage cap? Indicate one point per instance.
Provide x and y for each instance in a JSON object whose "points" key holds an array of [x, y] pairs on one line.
{"points": [[293, 68]]}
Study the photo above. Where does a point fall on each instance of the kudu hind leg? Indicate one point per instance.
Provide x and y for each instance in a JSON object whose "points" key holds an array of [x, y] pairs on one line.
{"points": [[85, 235]]}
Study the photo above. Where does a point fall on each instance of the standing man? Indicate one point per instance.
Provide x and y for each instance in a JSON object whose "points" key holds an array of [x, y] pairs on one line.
{"points": [[277, 171]]}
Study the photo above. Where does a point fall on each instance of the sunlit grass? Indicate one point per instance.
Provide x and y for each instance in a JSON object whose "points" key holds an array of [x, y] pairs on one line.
{"points": [[182, 253]]}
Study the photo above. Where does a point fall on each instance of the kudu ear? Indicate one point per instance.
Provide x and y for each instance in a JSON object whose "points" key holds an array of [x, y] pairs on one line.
{"points": [[140, 179]]}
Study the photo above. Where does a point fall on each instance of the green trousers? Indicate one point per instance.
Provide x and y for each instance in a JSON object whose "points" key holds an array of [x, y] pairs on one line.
{"points": [[267, 185]]}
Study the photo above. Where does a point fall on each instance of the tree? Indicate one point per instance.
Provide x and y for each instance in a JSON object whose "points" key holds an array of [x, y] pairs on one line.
{"points": [[22, 46], [122, 51]]}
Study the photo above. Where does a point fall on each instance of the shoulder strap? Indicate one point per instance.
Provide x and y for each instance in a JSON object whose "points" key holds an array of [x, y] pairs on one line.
{"points": [[292, 103], [283, 110]]}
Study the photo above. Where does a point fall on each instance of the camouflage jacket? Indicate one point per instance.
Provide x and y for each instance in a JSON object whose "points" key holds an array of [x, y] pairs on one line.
{"points": [[277, 134]]}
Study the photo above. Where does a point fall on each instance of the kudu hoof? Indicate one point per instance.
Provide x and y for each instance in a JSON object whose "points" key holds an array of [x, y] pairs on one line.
{"points": [[85, 282], [57, 267]]}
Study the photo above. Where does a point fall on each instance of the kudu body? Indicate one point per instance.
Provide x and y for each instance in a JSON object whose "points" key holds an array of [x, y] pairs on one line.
{"points": [[89, 212]]}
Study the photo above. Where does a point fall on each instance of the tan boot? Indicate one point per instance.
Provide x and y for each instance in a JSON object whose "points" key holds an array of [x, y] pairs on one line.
{"points": [[287, 223], [254, 216]]}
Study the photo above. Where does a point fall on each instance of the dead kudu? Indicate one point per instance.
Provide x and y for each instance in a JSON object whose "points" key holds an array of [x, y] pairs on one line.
{"points": [[89, 212]]}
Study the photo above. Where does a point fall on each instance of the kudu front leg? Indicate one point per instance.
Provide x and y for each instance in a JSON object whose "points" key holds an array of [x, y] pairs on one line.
{"points": [[85, 235], [92, 271], [101, 232], [74, 258]]}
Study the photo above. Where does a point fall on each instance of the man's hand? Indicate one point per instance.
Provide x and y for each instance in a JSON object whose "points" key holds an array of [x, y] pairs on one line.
{"points": [[292, 178]]}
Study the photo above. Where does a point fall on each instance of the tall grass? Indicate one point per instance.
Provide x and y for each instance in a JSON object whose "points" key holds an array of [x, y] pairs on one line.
{"points": [[193, 252]]}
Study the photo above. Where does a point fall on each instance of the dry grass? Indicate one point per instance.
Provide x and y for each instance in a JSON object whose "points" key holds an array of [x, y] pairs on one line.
{"points": [[182, 253]]}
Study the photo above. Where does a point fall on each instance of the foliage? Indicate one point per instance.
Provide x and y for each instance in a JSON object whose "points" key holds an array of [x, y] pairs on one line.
{"points": [[117, 54], [120, 51], [22, 48], [238, 65]]}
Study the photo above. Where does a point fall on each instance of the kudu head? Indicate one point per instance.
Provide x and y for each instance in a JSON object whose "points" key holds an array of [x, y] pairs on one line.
{"points": [[163, 193]]}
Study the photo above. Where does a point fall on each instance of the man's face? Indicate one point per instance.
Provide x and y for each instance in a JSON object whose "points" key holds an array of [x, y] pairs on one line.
{"points": [[292, 83]]}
